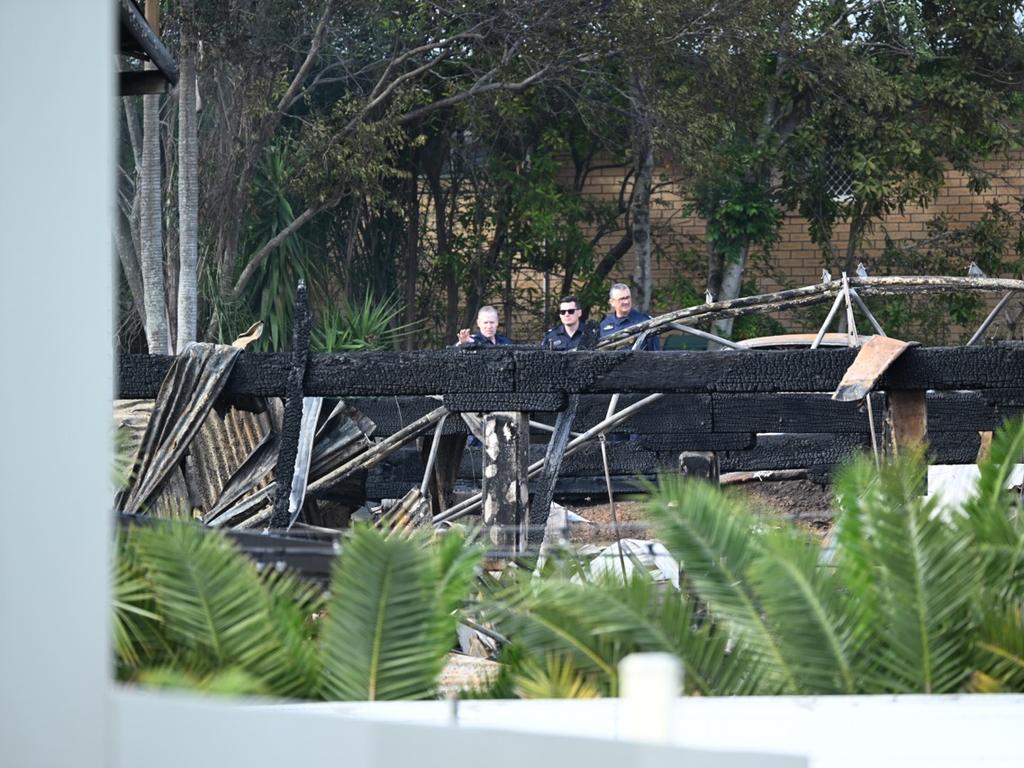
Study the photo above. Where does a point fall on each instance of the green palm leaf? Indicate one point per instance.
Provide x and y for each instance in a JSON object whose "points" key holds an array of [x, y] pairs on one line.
{"points": [[815, 622], [137, 626], [595, 624], [993, 516], [216, 607], [716, 540], [916, 575], [389, 624], [1000, 651]]}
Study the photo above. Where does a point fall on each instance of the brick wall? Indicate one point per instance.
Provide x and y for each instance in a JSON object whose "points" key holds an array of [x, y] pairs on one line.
{"points": [[798, 260]]}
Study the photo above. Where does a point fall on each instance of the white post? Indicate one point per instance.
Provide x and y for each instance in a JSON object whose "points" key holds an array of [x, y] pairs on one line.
{"points": [[649, 684]]}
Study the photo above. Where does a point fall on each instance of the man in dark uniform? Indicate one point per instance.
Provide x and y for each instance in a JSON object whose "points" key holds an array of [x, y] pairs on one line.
{"points": [[487, 322], [620, 298], [567, 334]]}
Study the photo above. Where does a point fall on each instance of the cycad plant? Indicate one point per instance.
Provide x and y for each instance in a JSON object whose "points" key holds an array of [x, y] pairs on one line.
{"points": [[907, 598], [912, 598], [193, 610]]}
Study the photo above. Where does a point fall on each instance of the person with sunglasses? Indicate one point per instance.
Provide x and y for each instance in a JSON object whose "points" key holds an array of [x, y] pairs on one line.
{"points": [[623, 315], [567, 334]]}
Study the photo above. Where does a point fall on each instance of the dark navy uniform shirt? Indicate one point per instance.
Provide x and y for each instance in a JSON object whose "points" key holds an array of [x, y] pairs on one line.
{"points": [[499, 340], [559, 340], [612, 324]]}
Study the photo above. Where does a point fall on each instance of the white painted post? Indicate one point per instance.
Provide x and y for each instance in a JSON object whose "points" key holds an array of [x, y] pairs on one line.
{"points": [[649, 684]]}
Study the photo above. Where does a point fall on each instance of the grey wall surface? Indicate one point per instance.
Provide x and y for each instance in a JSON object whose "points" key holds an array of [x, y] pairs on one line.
{"points": [[56, 184]]}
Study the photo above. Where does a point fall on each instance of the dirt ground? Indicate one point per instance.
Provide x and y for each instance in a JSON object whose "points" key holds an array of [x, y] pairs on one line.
{"points": [[803, 501]]}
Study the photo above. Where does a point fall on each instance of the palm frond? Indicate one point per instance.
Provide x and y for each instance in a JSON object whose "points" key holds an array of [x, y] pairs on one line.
{"points": [[215, 605], [595, 624], [389, 627], [137, 636], [999, 664], [913, 575], [804, 603], [716, 540], [555, 678], [993, 516]]}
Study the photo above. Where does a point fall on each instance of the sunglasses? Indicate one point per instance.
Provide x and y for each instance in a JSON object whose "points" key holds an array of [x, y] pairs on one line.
{"points": [[567, 311]]}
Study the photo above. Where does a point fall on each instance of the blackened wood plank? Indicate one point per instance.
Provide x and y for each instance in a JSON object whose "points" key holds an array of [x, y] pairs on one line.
{"points": [[804, 370], [697, 441], [789, 412], [510, 401], [518, 370], [669, 415]]}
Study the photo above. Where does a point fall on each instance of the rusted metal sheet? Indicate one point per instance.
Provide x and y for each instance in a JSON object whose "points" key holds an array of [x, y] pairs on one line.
{"points": [[871, 362]]}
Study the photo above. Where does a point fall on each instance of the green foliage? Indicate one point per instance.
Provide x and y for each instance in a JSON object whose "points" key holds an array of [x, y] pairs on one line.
{"points": [[390, 620], [585, 627], [995, 243], [270, 296], [367, 326], [192, 611], [910, 598]]}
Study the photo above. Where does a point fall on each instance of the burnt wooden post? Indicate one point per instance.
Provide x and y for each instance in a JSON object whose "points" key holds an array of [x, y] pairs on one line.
{"points": [[906, 420], [506, 459], [291, 422], [700, 464], [906, 425], [544, 491]]}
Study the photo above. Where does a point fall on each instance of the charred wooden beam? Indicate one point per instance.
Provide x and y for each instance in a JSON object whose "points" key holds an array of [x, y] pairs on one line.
{"points": [[505, 492], [139, 39], [535, 371], [141, 82], [294, 423]]}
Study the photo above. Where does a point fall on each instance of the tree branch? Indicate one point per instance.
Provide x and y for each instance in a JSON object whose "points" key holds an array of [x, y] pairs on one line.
{"points": [[522, 85], [314, 48], [257, 259]]}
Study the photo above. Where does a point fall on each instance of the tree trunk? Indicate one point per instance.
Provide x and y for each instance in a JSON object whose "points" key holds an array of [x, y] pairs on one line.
{"points": [[150, 232], [643, 159], [412, 256], [130, 264], [188, 198], [732, 284]]}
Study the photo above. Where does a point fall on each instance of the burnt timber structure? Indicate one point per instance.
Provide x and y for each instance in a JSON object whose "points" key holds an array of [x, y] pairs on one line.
{"points": [[756, 409]]}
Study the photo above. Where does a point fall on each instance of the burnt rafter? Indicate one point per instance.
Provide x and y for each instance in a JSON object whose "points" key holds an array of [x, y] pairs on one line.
{"points": [[518, 371], [138, 40]]}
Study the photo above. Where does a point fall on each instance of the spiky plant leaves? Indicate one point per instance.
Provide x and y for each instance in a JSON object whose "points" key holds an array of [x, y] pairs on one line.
{"points": [[994, 518], [231, 681], [293, 604], [594, 624], [815, 621], [915, 576], [216, 607], [137, 626], [716, 540], [389, 625], [555, 678], [999, 663]]}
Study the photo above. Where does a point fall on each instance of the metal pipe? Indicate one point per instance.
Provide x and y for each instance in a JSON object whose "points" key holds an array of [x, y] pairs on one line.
{"points": [[432, 456], [704, 335], [988, 320], [867, 313], [828, 321], [468, 505]]}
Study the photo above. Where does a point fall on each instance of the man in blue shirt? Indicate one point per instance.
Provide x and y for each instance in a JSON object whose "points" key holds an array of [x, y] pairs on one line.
{"points": [[567, 334], [487, 322], [620, 298]]}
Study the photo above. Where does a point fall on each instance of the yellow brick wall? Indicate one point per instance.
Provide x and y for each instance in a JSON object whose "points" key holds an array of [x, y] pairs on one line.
{"points": [[798, 260]]}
